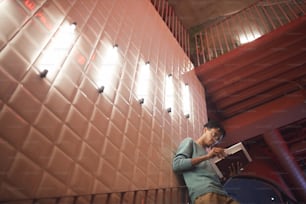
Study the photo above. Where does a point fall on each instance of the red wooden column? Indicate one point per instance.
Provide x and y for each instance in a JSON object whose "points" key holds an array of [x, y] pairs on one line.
{"points": [[296, 178]]}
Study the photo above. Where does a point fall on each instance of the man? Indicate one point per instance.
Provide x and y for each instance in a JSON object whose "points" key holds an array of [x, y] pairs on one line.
{"points": [[192, 160]]}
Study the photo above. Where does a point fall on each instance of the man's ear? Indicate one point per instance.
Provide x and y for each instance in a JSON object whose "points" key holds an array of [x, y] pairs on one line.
{"points": [[205, 129]]}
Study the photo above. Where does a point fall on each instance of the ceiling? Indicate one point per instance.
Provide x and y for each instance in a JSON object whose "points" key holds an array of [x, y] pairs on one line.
{"points": [[199, 13]]}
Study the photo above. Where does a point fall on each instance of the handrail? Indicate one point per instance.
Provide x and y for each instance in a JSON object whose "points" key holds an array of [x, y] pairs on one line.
{"points": [[178, 194], [232, 31], [245, 26], [178, 30]]}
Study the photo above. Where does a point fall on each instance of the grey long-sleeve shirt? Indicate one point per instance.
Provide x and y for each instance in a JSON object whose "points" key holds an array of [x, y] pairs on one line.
{"points": [[201, 178]]}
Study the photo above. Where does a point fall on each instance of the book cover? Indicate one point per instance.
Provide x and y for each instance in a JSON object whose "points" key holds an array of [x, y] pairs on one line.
{"points": [[236, 154]]}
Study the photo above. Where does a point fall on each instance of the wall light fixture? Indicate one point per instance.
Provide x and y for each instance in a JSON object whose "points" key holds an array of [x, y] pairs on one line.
{"points": [[73, 26], [101, 89], [108, 68], [57, 49], [44, 73], [143, 82], [169, 93], [186, 100]]}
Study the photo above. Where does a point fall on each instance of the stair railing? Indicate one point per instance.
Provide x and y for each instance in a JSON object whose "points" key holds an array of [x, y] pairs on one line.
{"points": [[171, 195]]}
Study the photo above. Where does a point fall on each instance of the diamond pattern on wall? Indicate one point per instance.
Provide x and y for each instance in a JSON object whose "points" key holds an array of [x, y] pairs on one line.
{"points": [[58, 135]]}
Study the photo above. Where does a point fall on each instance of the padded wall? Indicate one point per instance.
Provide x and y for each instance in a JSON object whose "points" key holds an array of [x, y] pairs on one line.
{"points": [[58, 135]]}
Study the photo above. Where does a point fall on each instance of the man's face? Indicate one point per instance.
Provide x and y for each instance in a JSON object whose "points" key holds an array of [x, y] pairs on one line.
{"points": [[212, 136]]}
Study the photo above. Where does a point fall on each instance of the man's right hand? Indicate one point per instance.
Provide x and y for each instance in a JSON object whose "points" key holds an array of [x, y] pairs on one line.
{"points": [[217, 152]]}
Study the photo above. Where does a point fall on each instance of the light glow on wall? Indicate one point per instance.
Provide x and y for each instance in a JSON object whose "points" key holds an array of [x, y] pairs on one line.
{"points": [[55, 53], [169, 93], [1, 1], [186, 100], [143, 82], [108, 69]]}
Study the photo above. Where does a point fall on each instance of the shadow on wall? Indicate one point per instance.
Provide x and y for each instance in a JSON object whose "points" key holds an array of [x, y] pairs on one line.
{"points": [[249, 190]]}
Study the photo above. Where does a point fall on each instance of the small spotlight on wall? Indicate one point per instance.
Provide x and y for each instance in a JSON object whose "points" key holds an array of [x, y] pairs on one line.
{"points": [[115, 46], [169, 110], [141, 101], [73, 25], [101, 89], [44, 73]]}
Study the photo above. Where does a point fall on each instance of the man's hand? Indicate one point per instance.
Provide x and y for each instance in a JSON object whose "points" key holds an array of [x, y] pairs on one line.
{"points": [[216, 152], [235, 169]]}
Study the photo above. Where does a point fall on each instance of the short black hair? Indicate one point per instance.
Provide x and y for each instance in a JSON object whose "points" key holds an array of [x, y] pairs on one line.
{"points": [[215, 124]]}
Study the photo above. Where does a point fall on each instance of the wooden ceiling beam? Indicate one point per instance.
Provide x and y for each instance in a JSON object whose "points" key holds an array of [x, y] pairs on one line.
{"points": [[283, 56], [259, 100], [277, 74], [289, 78], [272, 115]]}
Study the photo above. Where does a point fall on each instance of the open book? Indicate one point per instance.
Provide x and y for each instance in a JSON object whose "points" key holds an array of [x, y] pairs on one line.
{"points": [[236, 153]]}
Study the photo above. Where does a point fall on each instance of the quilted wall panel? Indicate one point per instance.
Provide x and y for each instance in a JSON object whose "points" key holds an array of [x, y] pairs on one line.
{"points": [[58, 135]]}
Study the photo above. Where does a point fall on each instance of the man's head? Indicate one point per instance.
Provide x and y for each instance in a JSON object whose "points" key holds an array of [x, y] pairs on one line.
{"points": [[213, 132]]}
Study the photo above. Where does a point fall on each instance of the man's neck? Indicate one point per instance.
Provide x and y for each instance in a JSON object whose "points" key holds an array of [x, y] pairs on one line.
{"points": [[200, 141]]}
